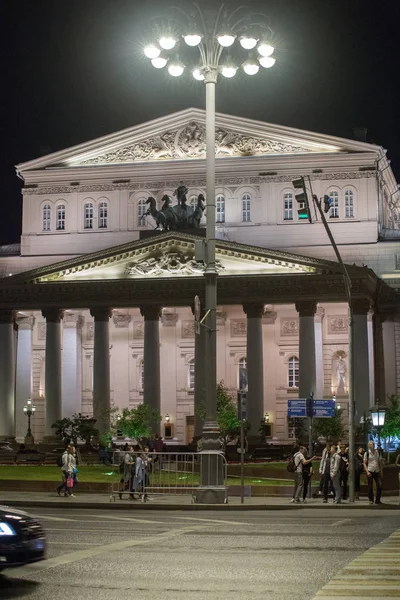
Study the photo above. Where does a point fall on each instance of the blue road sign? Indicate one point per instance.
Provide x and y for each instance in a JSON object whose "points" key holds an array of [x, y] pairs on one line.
{"points": [[324, 409], [297, 408]]}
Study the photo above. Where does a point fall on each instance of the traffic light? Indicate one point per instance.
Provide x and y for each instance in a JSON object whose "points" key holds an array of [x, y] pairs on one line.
{"points": [[303, 209], [327, 204]]}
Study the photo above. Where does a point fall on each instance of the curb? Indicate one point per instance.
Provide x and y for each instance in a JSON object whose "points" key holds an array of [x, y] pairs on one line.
{"points": [[189, 507]]}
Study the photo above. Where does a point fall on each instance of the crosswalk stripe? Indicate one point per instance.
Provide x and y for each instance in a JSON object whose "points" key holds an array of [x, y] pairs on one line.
{"points": [[375, 575]]}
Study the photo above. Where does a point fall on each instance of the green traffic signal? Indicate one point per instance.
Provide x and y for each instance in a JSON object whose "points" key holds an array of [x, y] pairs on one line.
{"points": [[303, 209]]}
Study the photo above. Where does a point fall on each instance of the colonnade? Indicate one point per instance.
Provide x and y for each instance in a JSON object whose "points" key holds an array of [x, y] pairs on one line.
{"points": [[14, 362]]}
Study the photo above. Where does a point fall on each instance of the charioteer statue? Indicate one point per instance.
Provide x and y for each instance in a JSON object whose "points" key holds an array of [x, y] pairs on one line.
{"points": [[180, 216]]}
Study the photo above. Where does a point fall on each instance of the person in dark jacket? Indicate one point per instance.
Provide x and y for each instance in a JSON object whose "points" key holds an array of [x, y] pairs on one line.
{"points": [[307, 474], [344, 470], [358, 471]]}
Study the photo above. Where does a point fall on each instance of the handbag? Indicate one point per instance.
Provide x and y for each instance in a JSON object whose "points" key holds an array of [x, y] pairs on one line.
{"points": [[70, 482]]}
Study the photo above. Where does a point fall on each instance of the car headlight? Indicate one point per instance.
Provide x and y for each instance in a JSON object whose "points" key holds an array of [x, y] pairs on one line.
{"points": [[5, 529]]}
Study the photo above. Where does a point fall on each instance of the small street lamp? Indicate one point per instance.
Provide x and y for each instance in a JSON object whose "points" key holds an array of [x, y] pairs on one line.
{"points": [[378, 414], [266, 418], [29, 410]]}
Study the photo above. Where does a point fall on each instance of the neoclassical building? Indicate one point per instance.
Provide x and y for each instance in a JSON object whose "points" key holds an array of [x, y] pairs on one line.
{"points": [[96, 307]]}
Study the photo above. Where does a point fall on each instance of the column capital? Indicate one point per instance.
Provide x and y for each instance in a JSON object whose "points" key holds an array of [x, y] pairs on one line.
{"points": [[150, 312], [169, 319], [6, 316], [53, 315], [25, 322], [73, 320], [306, 308], [269, 317], [253, 311], [101, 313], [361, 306], [121, 321]]}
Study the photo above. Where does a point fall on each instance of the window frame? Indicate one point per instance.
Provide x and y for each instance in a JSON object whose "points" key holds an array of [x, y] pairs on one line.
{"points": [[61, 220], [220, 208], [46, 217], [242, 364], [288, 197], [103, 218], [191, 374], [293, 372], [334, 212], [141, 204], [246, 208], [88, 217], [349, 203]]}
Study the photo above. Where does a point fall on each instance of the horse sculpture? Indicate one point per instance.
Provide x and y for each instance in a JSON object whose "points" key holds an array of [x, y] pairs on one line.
{"points": [[180, 216], [164, 218]]}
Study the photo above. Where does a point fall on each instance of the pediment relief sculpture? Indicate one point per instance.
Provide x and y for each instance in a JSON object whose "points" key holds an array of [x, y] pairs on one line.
{"points": [[169, 264], [190, 142]]}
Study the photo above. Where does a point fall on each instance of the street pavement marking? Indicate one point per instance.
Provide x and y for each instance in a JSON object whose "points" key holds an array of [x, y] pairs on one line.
{"points": [[342, 522], [45, 517], [209, 520], [74, 556], [374, 575], [132, 519], [73, 543]]}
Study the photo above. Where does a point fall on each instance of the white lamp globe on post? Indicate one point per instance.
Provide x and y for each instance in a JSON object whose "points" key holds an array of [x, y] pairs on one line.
{"points": [[378, 415], [211, 33]]}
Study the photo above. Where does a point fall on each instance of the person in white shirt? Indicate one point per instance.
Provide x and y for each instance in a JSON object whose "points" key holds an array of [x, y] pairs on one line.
{"points": [[335, 474], [373, 465]]}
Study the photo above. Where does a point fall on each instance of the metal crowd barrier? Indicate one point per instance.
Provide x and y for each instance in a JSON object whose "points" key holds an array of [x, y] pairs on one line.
{"points": [[169, 474]]}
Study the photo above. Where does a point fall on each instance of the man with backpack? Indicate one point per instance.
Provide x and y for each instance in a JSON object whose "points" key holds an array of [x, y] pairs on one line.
{"points": [[299, 461], [373, 465]]}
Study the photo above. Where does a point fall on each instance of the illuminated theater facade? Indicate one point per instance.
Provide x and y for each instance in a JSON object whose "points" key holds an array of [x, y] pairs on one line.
{"points": [[97, 305]]}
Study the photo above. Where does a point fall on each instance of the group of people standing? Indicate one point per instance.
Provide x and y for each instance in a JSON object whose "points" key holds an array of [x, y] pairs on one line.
{"points": [[334, 472], [135, 467]]}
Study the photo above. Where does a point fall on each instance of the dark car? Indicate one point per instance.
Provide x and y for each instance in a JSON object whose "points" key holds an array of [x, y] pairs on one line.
{"points": [[22, 539]]}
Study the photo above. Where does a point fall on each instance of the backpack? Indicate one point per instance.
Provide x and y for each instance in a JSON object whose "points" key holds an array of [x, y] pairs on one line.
{"points": [[59, 460], [292, 466]]}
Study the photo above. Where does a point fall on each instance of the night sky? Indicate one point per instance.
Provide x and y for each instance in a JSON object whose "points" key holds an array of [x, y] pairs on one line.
{"points": [[73, 71]]}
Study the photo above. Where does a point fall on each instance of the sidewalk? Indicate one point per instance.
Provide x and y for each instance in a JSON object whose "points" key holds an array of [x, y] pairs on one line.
{"points": [[176, 502]]}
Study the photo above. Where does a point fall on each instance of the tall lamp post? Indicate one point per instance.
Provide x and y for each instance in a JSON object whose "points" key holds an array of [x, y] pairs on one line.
{"points": [[29, 410], [212, 33]]}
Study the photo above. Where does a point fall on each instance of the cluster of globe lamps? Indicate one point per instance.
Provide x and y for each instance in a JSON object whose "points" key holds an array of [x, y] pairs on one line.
{"points": [[262, 56]]}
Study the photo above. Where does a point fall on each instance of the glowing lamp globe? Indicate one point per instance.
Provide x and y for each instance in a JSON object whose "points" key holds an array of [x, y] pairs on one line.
{"points": [[197, 74], [248, 42], [176, 69], [193, 39], [251, 68], [267, 62], [226, 39], [159, 62], [265, 49], [151, 51], [229, 71], [167, 43]]}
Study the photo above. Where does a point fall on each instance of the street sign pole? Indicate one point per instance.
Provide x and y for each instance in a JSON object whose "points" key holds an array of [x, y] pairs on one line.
{"points": [[241, 461]]}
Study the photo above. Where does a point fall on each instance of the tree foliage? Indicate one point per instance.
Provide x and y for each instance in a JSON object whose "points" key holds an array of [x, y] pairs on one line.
{"points": [[391, 427], [77, 427], [136, 423], [331, 429]]}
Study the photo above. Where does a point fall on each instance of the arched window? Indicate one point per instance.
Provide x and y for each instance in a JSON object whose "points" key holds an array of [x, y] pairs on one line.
{"points": [[246, 207], [334, 210], [103, 215], [220, 209], [46, 217], [349, 203], [243, 373], [141, 375], [288, 206], [141, 211], [191, 374], [60, 217], [293, 372], [88, 216], [193, 202]]}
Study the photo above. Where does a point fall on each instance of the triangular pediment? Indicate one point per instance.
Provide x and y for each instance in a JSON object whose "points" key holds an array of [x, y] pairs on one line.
{"points": [[181, 136], [172, 255]]}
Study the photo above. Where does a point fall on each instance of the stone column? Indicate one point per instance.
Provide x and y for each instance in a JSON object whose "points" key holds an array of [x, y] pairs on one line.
{"points": [[319, 352], [199, 378], [101, 368], [7, 374], [23, 379], [255, 366], [378, 319], [389, 354], [151, 359], [361, 370], [52, 373], [307, 362], [72, 364]]}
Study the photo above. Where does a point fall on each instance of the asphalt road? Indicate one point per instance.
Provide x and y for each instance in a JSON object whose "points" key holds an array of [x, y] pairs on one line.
{"points": [[151, 555]]}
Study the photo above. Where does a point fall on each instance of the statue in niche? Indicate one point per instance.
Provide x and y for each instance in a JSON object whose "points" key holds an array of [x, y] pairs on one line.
{"points": [[180, 216], [341, 372]]}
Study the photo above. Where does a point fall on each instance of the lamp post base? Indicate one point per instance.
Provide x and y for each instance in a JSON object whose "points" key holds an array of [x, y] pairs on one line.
{"points": [[29, 440], [210, 495], [212, 467]]}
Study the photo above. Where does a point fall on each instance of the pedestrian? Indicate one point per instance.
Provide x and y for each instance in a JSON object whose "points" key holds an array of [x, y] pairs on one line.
{"points": [[307, 474], [338, 445], [398, 466], [344, 470], [299, 461], [335, 460], [126, 462], [325, 469], [67, 468], [138, 479], [325, 455], [373, 465], [358, 471]]}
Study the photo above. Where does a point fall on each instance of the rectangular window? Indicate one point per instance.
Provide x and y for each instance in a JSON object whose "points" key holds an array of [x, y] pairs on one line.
{"points": [[220, 206], [60, 218], [103, 215], [246, 200], [46, 217], [288, 207], [88, 221], [334, 210], [349, 203]]}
